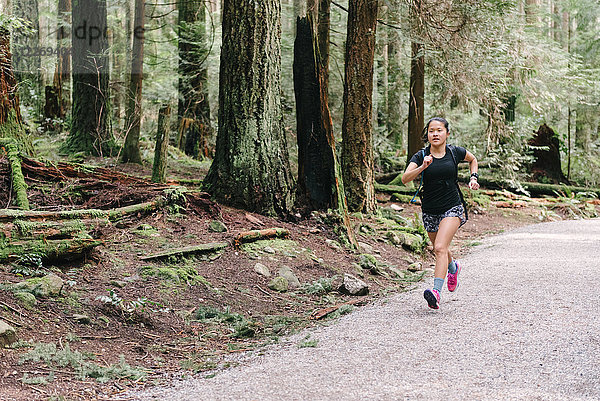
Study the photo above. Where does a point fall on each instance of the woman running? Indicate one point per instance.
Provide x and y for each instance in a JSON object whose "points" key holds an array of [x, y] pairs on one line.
{"points": [[441, 200]]}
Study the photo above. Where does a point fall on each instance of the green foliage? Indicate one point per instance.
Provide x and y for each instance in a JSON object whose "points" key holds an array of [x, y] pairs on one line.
{"points": [[240, 327], [53, 357], [320, 286], [29, 264], [130, 309]]}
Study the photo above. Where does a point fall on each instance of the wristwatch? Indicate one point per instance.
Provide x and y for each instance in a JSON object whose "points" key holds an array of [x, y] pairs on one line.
{"points": [[474, 175]]}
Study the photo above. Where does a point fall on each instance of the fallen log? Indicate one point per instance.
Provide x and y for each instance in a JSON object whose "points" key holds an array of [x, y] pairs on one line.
{"points": [[193, 249], [394, 189], [111, 215], [48, 249], [534, 188], [48, 230], [255, 235]]}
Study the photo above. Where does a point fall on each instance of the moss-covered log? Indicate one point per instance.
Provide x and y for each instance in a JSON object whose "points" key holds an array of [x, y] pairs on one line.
{"points": [[51, 230], [48, 249], [193, 249], [534, 188], [112, 215], [394, 189], [255, 235]]}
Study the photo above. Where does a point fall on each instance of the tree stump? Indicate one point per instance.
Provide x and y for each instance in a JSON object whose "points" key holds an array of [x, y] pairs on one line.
{"points": [[547, 166]]}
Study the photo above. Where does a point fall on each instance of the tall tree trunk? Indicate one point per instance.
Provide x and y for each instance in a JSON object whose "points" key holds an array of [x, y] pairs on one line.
{"points": [[316, 170], [323, 27], [357, 131], [193, 107], [62, 77], [10, 115], [585, 119], [532, 12], [312, 9], [416, 102], [159, 168], [90, 131], [133, 115], [382, 77], [60, 89], [394, 110], [27, 62], [251, 166]]}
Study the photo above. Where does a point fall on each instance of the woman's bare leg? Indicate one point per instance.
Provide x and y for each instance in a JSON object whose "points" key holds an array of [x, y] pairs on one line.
{"points": [[441, 245]]}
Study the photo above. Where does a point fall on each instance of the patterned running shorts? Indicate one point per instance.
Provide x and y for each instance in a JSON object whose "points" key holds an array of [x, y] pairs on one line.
{"points": [[432, 221]]}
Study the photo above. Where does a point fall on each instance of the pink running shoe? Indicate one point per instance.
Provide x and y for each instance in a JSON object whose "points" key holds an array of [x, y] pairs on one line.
{"points": [[433, 298], [453, 278]]}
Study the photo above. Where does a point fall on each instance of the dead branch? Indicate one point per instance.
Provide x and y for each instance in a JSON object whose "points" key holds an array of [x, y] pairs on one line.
{"points": [[255, 235]]}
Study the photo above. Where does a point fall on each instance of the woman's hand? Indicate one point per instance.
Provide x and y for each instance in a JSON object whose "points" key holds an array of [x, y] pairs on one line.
{"points": [[473, 184], [427, 160]]}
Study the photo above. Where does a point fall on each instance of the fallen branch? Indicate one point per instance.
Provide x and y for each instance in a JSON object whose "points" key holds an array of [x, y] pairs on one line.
{"points": [[202, 248], [255, 235], [11, 321], [321, 313], [10, 308]]}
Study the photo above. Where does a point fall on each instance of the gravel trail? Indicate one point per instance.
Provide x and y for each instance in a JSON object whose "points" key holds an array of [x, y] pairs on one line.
{"points": [[524, 324]]}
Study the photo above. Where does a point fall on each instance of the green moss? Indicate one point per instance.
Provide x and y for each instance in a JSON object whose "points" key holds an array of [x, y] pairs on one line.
{"points": [[182, 273], [18, 180]]}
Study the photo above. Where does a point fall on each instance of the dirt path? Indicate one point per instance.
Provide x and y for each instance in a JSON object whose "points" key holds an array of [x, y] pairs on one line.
{"points": [[523, 325]]}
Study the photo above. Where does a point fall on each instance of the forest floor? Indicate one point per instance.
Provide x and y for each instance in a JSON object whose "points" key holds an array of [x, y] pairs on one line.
{"points": [[120, 321]]}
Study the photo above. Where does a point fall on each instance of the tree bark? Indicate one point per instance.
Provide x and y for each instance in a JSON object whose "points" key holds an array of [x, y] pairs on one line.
{"points": [[251, 166], [395, 108], [357, 135], [316, 169], [323, 28], [133, 115], [62, 73], [159, 169], [10, 113], [416, 102], [90, 131], [193, 108], [27, 61], [547, 162]]}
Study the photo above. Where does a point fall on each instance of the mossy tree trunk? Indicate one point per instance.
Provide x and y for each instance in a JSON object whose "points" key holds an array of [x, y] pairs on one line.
{"points": [[193, 107], [159, 169], [357, 135], [90, 128], [251, 167], [133, 115], [10, 115]]}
